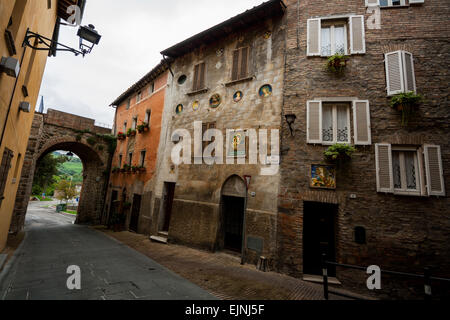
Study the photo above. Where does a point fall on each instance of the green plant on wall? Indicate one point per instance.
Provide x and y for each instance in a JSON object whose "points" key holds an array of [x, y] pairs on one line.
{"points": [[91, 141], [339, 153], [407, 104], [336, 63]]}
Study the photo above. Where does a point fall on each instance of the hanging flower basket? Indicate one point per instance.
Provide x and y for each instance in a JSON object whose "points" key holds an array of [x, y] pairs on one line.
{"points": [[336, 63], [131, 133], [144, 127], [407, 104], [121, 136], [339, 154]]}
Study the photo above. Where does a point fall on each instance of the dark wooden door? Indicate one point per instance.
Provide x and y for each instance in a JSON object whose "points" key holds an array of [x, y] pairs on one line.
{"points": [[134, 221], [169, 195], [318, 237], [233, 211]]}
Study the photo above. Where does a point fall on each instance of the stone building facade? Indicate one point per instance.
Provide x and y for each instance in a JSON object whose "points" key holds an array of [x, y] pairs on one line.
{"points": [[138, 125], [20, 87], [390, 206], [229, 77]]}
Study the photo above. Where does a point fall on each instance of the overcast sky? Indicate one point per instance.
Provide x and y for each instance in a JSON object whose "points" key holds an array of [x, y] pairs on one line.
{"points": [[134, 32]]}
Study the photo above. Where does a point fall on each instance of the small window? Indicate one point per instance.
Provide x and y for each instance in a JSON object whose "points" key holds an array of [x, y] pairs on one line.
{"points": [[142, 159], [392, 3], [125, 127], [134, 126], [139, 97], [199, 77], [16, 170], [148, 116], [128, 104], [152, 88], [405, 170], [400, 74], [335, 123], [130, 158], [182, 79], [120, 161], [240, 64], [334, 39]]}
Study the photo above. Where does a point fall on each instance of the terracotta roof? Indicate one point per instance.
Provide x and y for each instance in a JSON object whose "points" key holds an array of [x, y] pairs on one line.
{"points": [[145, 80], [265, 10]]}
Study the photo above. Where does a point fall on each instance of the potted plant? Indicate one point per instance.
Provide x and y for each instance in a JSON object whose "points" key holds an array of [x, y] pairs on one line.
{"points": [[142, 169], [144, 127], [121, 136], [407, 104], [135, 169], [126, 168], [115, 170], [339, 153], [131, 133], [336, 63]]}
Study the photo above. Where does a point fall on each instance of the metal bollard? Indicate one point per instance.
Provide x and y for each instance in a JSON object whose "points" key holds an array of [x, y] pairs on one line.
{"points": [[325, 276]]}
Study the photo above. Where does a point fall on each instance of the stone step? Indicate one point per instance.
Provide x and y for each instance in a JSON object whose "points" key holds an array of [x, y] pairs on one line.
{"points": [[163, 234], [158, 239]]}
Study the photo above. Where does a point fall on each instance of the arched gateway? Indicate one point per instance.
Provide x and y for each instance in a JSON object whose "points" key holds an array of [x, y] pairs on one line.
{"points": [[62, 131]]}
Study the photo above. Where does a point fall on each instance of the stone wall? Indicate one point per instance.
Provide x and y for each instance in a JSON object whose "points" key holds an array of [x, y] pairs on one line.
{"points": [[403, 233]]}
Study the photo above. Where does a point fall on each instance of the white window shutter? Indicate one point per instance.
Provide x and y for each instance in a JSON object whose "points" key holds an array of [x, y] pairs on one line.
{"points": [[361, 121], [408, 72], [416, 1], [372, 3], [313, 41], [385, 180], [314, 122], [434, 170], [357, 35], [394, 73]]}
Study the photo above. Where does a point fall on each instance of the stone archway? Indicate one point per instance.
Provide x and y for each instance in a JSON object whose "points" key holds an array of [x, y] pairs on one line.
{"points": [[61, 131]]}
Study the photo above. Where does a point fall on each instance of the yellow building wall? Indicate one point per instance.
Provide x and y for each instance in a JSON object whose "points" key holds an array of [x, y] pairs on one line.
{"points": [[40, 19]]}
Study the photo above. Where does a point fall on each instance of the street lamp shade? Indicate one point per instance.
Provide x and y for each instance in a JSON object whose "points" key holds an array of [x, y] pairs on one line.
{"points": [[89, 34]]}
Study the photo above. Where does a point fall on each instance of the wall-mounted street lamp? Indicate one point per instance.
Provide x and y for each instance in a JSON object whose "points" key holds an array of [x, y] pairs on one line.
{"points": [[89, 37], [290, 119]]}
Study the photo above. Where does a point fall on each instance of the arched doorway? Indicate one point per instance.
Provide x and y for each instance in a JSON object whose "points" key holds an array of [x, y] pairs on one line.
{"points": [[233, 205]]}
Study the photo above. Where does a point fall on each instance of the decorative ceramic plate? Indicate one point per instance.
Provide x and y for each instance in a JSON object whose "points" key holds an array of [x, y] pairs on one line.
{"points": [[179, 109], [265, 91], [215, 101], [195, 105], [238, 96]]}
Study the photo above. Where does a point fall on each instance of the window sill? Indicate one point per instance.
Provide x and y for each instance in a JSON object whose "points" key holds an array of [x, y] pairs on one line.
{"points": [[396, 7], [193, 93], [407, 193], [231, 83]]}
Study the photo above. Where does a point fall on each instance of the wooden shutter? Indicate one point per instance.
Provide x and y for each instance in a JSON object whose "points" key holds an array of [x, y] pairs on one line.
{"points": [[314, 122], [372, 3], [361, 121], [409, 76], [357, 35], [313, 41], [4, 171], [394, 73], [199, 77], [383, 156], [434, 170], [235, 70], [244, 63]]}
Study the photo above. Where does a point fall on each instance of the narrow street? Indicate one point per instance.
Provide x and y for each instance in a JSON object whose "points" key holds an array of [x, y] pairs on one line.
{"points": [[109, 269]]}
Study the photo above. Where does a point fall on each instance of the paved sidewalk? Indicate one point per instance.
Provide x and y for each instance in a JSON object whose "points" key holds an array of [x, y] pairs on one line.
{"points": [[220, 274]]}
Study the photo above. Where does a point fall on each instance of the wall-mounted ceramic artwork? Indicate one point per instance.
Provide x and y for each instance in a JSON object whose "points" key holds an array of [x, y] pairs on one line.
{"points": [[265, 91], [215, 101], [236, 144], [179, 109], [238, 96], [323, 176], [195, 105]]}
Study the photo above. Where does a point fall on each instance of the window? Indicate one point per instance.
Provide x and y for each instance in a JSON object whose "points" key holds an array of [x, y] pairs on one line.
{"points": [[334, 39], [142, 159], [405, 170], [125, 127], [392, 3], [139, 97], [16, 17], [130, 158], [402, 170], [199, 77], [400, 75], [329, 122], [5, 166], [17, 168], [152, 88], [148, 116], [327, 36], [134, 126], [128, 104], [240, 64], [335, 123], [120, 161]]}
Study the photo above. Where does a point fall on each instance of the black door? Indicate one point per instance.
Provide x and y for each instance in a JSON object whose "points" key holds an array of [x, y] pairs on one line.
{"points": [[233, 211], [134, 221], [169, 195], [318, 237]]}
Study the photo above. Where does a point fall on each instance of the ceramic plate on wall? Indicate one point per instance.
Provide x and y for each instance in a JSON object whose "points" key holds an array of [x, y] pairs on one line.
{"points": [[238, 96], [265, 91], [179, 109], [215, 101], [195, 105]]}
